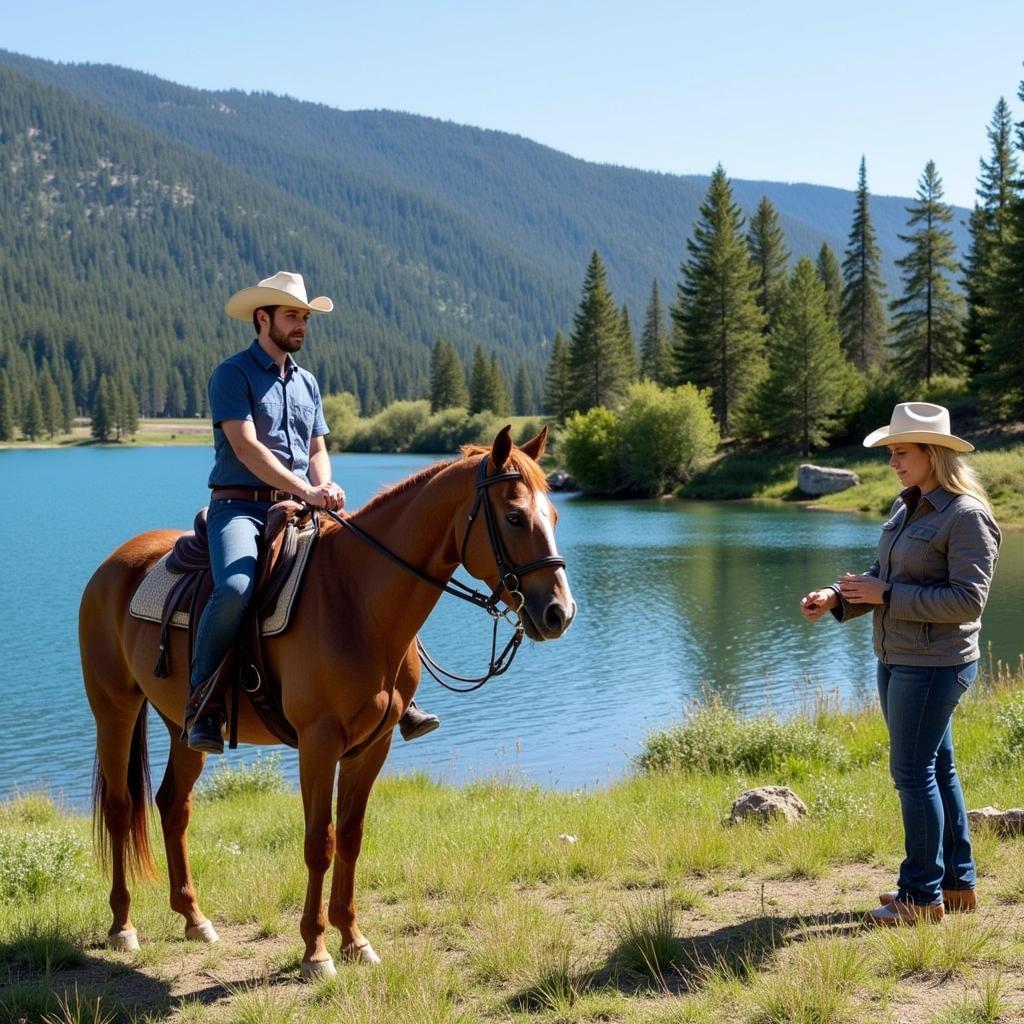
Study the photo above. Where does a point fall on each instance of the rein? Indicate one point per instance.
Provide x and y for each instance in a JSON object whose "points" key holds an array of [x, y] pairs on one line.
{"points": [[508, 580]]}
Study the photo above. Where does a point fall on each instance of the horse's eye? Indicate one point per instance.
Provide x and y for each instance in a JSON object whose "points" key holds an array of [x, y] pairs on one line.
{"points": [[514, 518]]}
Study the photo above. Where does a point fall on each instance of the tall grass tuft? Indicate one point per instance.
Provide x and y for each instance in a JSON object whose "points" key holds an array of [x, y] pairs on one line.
{"points": [[716, 738], [645, 932], [263, 775], [79, 1009]]}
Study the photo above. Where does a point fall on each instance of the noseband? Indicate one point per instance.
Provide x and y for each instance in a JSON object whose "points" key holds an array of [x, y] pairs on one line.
{"points": [[509, 580]]}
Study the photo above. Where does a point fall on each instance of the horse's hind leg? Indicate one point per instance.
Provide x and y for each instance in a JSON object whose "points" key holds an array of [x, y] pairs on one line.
{"points": [[174, 800], [354, 785]]}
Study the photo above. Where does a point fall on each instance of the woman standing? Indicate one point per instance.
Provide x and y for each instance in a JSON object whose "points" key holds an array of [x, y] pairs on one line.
{"points": [[926, 590]]}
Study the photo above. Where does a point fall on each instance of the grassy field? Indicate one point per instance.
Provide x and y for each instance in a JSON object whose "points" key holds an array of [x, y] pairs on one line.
{"points": [[151, 432], [999, 462], [492, 902]]}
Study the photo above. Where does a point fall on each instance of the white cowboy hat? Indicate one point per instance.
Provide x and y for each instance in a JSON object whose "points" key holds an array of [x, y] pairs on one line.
{"points": [[283, 289], [921, 422]]}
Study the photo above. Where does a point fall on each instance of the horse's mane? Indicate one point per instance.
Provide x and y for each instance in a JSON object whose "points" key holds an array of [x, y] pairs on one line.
{"points": [[532, 475]]}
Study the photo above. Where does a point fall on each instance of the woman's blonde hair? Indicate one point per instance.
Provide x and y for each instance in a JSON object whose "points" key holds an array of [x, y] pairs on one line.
{"points": [[955, 475]]}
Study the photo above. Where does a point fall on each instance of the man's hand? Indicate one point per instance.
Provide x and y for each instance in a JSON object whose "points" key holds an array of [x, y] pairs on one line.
{"points": [[817, 602], [329, 496], [862, 589]]}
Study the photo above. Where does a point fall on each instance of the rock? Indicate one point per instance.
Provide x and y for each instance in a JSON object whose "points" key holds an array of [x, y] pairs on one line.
{"points": [[559, 480], [1006, 823], [567, 839], [767, 802], [816, 480]]}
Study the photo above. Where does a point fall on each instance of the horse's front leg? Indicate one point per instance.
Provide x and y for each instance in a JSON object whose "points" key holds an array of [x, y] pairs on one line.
{"points": [[354, 785], [319, 749]]}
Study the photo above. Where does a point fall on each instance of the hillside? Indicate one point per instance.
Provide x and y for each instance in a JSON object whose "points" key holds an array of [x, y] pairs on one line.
{"points": [[418, 228]]}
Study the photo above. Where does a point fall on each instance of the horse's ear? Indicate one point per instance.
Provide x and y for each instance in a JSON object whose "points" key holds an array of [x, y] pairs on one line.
{"points": [[535, 447], [502, 448]]}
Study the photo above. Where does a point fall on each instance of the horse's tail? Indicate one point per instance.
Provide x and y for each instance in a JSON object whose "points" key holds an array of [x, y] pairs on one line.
{"points": [[139, 855]]}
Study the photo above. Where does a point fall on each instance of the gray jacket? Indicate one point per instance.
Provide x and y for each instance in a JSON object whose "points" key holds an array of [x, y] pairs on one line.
{"points": [[939, 561]]}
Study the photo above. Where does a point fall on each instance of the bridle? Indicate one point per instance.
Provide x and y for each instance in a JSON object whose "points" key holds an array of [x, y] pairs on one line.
{"points": [[509, 579]]}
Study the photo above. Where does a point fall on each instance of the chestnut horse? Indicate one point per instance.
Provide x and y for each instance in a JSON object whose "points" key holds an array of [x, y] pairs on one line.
{"points": [[348, 667]]}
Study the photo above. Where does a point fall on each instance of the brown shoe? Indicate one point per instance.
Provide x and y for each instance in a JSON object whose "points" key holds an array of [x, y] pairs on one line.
{"points": [[902, 912], [955, 901], [415, 722]]}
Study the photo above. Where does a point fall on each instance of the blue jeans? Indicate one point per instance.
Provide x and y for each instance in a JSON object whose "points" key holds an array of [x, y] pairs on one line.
{"points": [[918, 703], [233, 528]]}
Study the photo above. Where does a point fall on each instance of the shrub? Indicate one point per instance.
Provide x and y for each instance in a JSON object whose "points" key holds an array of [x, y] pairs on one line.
{"points": [[261, 776], [715, 738], [38, 859], [590, 449], [447, 429], [664, 433], [342, 415], [393, 428]]}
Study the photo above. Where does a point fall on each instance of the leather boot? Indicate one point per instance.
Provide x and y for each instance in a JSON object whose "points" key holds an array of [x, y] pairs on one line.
{"points": [[415, 723], [964, 901]]}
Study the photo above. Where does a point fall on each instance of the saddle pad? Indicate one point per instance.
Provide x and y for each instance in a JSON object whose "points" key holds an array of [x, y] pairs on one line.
{"points": [[148, 600]]}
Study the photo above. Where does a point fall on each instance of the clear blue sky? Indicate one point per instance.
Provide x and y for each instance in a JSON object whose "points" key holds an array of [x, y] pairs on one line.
{"points": [[790, 90]]}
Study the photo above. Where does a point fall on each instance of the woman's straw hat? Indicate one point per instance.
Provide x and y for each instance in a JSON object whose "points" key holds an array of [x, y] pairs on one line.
{"points": [[283, 289], [921, 422]]}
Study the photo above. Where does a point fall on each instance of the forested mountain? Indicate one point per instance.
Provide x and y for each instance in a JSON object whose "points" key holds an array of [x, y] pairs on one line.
{"points": [[132, 206]]}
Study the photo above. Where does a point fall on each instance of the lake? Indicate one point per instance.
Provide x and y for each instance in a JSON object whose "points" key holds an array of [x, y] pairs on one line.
{"points": [[676, 599]]}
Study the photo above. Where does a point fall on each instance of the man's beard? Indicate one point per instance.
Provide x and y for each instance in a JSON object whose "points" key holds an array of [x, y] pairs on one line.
{"points": [[286, 341]]}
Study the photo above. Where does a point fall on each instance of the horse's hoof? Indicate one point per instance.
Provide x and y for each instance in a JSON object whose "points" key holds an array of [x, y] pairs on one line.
{"points": [[126, 941], [204, 932], [362, 953], [314, 970]]}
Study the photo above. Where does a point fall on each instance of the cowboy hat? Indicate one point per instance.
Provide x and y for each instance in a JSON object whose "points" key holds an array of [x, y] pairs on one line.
{"points": [[283, 289], [921, 422]]}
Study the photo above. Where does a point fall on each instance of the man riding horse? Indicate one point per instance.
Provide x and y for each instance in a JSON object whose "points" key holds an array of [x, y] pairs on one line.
{"points": [[268, 431]]}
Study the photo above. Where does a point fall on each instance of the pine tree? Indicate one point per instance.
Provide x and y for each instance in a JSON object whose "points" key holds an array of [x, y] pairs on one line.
{"points": [[480, 382], [721, 345], [557, 382], [989, 227], [927, 317], [500, 402], [596, 370], [1003, 350], [6, 409], [102, 425], [447, 378], [522, 393], [862, 315], [655, 347], [49, 399], [32, 423], [802, 396], [67, 400], [769, 255], [127, 410], [628, 342], [831, 277]]}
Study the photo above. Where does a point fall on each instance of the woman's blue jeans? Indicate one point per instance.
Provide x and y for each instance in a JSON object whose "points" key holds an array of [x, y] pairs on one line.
{"points": [[918, 703], [233, 528]]}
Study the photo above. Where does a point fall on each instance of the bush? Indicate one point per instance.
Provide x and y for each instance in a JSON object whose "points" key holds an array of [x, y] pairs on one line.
{"points": [[342, 415], [665, 432], [590, 450], [392, 429], [38, 859], [262, 776], [715, 738], [447, 429]]}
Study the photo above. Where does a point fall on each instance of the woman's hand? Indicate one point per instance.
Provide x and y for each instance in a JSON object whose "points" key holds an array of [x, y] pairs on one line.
{"points": [[817, 602], [862, 589]]}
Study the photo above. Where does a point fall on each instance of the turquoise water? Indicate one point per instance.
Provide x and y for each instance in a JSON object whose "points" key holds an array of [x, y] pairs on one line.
{"points": [[675, 599]]}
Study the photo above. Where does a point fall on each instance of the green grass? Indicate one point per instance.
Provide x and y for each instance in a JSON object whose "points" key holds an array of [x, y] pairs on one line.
{"points": [[999, 462], [659, 912]]}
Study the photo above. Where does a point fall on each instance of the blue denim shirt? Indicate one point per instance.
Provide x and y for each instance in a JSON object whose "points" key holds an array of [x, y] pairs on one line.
{"points": [[287, 413]]}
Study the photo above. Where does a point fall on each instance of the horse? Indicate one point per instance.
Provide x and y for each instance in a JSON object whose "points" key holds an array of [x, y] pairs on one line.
{"points": [[348, 667]]}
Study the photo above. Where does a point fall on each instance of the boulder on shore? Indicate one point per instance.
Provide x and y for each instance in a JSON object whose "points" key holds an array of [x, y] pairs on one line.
{"points": [[767, 802], [818, 480], [1006, 823], [559, 480]]}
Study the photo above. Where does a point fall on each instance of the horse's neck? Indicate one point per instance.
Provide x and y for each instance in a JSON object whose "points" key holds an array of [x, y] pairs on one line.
{"points": [[418, 525]]}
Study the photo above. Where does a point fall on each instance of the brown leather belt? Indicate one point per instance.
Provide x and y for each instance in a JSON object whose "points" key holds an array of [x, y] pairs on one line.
{"points": [[251, 494]]}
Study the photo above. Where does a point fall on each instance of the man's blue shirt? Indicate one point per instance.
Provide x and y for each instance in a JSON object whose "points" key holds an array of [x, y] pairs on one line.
{"points": [[287, 413]]}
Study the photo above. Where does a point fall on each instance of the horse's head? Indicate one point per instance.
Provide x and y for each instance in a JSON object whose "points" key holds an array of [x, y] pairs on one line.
{"points": [[511, 535]]}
